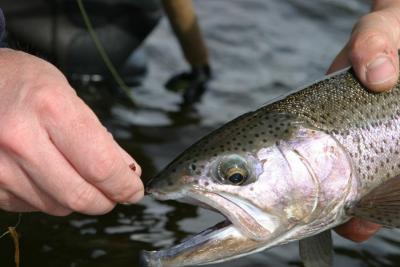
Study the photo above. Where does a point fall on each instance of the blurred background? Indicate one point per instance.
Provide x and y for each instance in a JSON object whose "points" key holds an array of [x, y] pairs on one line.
{"points": [[258, 50]]}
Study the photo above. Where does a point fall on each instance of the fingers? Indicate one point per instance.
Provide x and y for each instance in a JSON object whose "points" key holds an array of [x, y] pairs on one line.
{"points": [[372, 49], [91, 150], [19, 193], [10, 202], [42, 177], [357, 230], [61, 181]]}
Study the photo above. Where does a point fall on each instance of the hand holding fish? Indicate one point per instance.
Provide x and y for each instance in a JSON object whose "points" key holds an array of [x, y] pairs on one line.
{"points": [[55, 156], [372, 51], [373, 47]]}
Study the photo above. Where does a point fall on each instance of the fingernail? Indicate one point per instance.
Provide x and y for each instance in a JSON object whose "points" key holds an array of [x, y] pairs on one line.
{"points": [[380, 70]]}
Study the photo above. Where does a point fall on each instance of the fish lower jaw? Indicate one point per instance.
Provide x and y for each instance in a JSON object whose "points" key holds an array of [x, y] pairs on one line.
{"points": [[213, 230], [183, 254]]}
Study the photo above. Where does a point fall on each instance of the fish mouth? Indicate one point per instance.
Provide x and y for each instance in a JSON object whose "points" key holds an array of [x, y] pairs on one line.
{"points": [[251, 221], [246, 230], [194, 250]]}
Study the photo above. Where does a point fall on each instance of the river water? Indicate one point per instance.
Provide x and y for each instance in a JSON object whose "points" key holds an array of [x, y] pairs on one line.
{"points": [[259, 49]]}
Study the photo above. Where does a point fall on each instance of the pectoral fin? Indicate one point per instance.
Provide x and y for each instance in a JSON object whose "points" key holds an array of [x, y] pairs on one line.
{"points": [[381, 205], [317, 251]]}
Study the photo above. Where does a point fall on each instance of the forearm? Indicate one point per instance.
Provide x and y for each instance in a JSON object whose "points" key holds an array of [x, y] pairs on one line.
{"points": [[183, 20]]}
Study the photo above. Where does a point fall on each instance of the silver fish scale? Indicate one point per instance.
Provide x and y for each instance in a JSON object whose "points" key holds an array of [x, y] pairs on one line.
{"points": [[366, 124]]}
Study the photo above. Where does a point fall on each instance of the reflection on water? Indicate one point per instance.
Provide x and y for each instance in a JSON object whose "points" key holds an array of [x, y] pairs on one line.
{"points": [[260, 49]]}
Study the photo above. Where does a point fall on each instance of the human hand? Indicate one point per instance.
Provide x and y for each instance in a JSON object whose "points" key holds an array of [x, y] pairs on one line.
{"points": [[55, 156], [373, 52]]}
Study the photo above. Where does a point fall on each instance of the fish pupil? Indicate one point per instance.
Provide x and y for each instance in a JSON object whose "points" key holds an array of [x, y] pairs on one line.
{"points": [[236, 178]]}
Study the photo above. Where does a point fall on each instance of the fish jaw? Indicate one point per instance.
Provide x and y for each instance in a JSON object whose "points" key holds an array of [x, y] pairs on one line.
{"points": [[248, 219], [246, 230], [252, 222], [216, 244]]}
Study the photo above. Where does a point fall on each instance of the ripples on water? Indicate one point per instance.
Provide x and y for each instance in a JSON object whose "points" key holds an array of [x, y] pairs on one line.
{"points": [[259, 50]]}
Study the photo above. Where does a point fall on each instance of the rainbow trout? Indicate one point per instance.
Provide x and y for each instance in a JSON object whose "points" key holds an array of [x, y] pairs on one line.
{"points": [[291, 170]]}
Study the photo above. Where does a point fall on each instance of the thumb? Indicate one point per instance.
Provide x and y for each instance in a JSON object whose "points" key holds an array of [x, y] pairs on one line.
{"points": [[373, 51]]}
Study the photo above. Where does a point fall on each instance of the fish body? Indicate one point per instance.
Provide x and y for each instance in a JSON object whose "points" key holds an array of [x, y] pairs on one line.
{"points": [[291, 170]]}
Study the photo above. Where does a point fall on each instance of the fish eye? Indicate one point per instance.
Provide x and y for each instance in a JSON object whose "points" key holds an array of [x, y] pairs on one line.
{"points": [[233, 170], [237, 176]]}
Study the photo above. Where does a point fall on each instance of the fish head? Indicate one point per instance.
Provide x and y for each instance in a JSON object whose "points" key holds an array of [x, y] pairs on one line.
{"points": [[254, 171]]}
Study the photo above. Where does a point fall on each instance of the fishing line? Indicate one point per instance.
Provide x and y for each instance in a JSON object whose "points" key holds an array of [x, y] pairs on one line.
{"points": [[103, 54]]}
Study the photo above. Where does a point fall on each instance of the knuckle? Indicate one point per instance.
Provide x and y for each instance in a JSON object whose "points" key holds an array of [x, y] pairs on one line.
{"points": [[371, 38], [363, 48], [81, 199], [88, 201], [125, 193], [49, 101], [368, 34], [14, 136], [103, 168]]}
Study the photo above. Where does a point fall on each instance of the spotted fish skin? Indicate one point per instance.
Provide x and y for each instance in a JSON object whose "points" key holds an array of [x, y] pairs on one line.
{"points": [[366, 124]]}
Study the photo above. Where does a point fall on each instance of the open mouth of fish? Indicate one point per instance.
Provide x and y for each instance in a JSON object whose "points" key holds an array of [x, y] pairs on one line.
{"points": [[249, 220], [245, 230]]}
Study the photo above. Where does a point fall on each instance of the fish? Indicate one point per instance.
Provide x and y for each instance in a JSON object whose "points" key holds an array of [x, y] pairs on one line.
{"points": [[290, 170]]}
